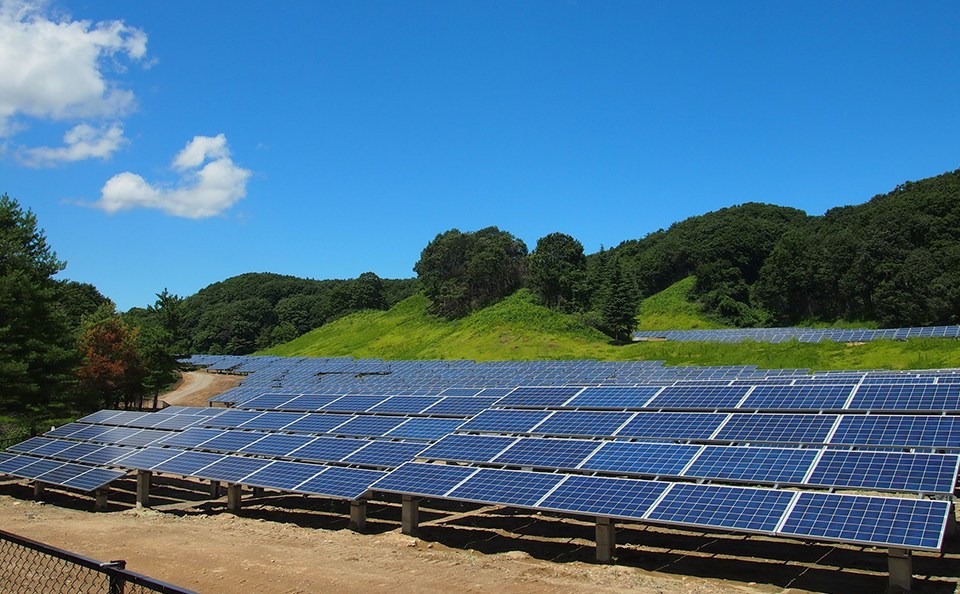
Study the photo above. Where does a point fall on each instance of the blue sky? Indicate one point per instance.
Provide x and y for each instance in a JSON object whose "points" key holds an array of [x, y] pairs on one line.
{"points": [[171, 144]]}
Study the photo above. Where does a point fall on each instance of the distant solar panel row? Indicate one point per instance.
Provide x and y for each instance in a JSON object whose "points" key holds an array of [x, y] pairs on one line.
{"points": [[776, 335]]}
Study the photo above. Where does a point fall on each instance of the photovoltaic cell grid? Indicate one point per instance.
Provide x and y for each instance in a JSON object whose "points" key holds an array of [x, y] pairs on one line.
{"points": [[908, 523]]}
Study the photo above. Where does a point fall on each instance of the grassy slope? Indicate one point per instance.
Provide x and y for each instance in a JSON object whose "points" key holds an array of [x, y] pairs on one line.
{"points": [[671, 309], [518, 329]]}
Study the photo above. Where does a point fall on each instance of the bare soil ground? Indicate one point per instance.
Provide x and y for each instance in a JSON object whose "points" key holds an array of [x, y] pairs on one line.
{"points": [[286, 544], [198, 386]]}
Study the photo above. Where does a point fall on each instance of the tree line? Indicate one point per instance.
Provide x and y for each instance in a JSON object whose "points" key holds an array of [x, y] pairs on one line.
{"points": [[894, 260]]}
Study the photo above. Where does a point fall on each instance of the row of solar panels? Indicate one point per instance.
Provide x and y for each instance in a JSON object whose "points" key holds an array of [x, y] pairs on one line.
{"points": [[778, 335], [880, 521], [876, 431], [816, 468], [849, 397]]}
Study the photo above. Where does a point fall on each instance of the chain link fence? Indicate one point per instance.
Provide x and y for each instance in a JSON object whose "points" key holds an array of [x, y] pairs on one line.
{"points": [[30, 567]]}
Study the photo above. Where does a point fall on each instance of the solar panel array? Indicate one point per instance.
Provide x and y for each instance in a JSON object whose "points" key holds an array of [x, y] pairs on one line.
{"points": [[727, 447], [778, 335]]}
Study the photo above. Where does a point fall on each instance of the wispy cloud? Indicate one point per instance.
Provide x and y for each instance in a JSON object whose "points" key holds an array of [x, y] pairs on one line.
{"points": [[210, 184], [54, 69]]}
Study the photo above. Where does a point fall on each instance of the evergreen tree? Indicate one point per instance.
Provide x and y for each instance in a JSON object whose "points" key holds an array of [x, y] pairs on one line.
{"points": [[619, 309], [36, 354]]}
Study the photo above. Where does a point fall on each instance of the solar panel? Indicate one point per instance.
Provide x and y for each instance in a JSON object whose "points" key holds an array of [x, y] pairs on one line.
{"points": [[898, 431], [425, 428], [732, 508], [386, 454], [232, 441], [319, 423], [405, 404], [232, 469], [620, 498], [468, 448], [92, 479], [232, 419], [68, 430], [577, 423], [466, 406], [816, 397], [191, 438], [309, 402], [147, 458], [76, 451], [928, 473], [643, 458], [277, 444], [369, 426], [108, 455], [343, 483], [679, 426], [352, 403], [269, 401], [46, 445], [539, 396], [769, 465], [506, 421], [907, 398], [425, 480], [285, 476], [547, 453], [711, 398], [144, 437], [624, 398], [881, 521], [329, 449], [271, 421], [36, 467], [187, 463], [777, 428], [506, 487]]}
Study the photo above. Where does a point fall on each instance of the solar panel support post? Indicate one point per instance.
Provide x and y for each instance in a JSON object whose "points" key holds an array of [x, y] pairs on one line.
{"points": [[410, 516], [606, 539], [144, 478], [258, 491], [358, 514], [215, 489], [100, 501], [234, 492], [900, 564], [38, 489]]}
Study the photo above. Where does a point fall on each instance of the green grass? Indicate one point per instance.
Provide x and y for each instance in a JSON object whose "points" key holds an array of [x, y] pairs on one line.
{"points": [[671, 309], [519, 329]]}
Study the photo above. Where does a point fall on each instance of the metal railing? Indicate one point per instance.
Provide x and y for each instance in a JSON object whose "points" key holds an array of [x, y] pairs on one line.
{"points": [[29, 567]]}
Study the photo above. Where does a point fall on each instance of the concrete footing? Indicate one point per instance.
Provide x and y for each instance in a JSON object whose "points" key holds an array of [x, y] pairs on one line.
{"points": [[900, 563], [410, 516], [144, 478], [606, 539], [38, 489], [233, 497], [258, 491], [215, 489], [358, 515]]}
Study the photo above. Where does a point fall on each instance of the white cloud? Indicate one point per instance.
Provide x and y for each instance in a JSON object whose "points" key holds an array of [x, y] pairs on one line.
{"points": [[54, 69], [82, 142], [202, 193]]}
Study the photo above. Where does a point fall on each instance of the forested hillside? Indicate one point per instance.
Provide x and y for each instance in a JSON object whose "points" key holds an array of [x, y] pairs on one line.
{"points": [[254, 311], [894, 260]]}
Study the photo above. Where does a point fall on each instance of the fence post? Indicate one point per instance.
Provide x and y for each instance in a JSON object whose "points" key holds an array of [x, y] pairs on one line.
{"points": [[117, 583]]}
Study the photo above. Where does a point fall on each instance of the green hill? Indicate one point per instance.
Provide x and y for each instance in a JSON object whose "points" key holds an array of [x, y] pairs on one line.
{"points": [[519, 329]]}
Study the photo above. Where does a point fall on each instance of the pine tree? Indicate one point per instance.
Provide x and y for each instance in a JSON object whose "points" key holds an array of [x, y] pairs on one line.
{"points": [[36, 353], [619, 309]]}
